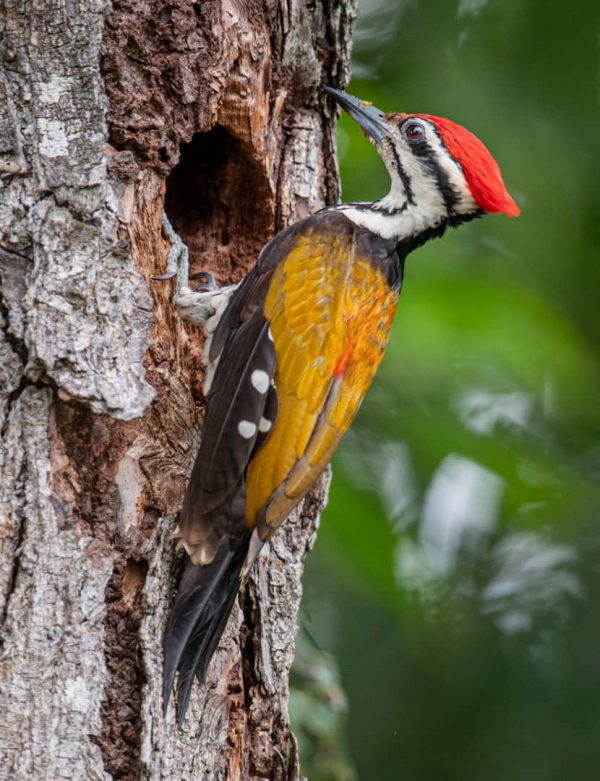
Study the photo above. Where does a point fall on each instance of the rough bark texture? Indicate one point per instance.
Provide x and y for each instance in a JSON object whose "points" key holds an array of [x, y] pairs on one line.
{"points": [[216, 109]]}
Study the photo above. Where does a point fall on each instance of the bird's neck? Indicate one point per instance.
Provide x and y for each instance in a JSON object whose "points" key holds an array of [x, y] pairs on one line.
{"points": [[395, 219]]}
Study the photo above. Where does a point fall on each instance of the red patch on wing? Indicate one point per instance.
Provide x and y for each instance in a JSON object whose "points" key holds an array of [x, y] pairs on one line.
{"points": [[481, 171], [343, 360]]}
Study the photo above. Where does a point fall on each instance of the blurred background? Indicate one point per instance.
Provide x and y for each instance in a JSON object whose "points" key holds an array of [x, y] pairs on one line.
{"points": [[451, 624]]}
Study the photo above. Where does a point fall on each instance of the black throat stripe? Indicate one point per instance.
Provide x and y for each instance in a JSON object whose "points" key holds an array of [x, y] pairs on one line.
{"points": [[404, 177], [377, 208], [428, 162]]}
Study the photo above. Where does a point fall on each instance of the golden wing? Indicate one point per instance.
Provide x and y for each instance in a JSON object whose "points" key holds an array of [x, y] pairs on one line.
{"points": [[330, 312]]}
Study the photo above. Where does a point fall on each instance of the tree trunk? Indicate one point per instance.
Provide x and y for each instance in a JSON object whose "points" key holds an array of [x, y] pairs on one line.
{"points": [[216, 110]]}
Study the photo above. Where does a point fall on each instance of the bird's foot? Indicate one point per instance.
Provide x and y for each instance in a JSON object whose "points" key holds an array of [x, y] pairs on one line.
{"points": [[207, 283], [204, 303]]}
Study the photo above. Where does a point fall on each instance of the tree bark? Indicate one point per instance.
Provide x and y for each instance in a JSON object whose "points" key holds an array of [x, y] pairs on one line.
{"points": [[216, 110]]}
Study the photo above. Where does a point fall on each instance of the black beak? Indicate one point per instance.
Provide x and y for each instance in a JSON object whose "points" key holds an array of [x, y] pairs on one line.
{"points": [[368, 117]]}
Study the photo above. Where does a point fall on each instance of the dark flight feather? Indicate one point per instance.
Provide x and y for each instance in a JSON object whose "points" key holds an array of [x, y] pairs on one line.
{"points": [[198, 617], [215, 492]]}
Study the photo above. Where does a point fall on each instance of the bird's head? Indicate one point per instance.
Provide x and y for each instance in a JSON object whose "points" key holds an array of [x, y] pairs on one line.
{"points": [[441, 173]]}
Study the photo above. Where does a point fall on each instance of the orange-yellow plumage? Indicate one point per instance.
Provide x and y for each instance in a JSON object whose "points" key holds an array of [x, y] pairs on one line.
{"points": [[330, 311]]}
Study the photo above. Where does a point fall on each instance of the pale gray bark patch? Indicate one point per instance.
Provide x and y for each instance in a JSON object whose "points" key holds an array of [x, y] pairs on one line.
{"points": [[89, 318], [57, 654], [88, 311], [11, 371], [12, 160]]}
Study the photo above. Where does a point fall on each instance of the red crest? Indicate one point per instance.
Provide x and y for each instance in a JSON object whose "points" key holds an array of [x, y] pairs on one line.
{"points": [[481, 171]]}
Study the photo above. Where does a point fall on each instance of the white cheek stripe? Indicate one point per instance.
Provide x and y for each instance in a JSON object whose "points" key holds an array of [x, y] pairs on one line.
{"points": [[465, 201]]}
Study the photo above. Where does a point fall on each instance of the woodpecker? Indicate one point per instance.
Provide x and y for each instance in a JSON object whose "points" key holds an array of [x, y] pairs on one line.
{"points": [[291, 351]]}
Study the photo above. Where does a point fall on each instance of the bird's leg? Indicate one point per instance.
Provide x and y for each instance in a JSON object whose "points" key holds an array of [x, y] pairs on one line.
{"points": [[178, 258], [203, 304]]}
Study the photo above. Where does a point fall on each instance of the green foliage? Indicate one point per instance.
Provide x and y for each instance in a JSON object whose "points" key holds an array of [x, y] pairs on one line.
{"points": [[455, 575], [318, 709]]}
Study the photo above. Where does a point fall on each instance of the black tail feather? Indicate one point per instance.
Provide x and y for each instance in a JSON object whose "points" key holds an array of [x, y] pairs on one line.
{"points": [[204, 601]]}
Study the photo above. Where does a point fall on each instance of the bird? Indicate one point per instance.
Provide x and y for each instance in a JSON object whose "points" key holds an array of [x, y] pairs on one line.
{"points": [[290, 352]]}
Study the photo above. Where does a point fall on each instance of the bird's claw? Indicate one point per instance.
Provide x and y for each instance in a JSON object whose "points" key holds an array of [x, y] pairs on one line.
{"points": [[163, 277], [208, 283]]}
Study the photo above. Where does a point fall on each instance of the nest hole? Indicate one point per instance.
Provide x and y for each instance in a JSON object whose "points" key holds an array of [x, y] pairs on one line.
{"points": [[219, 201]]}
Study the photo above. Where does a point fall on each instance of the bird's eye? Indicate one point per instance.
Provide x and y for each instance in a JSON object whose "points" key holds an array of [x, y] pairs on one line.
{"points": [[413, 131]]}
